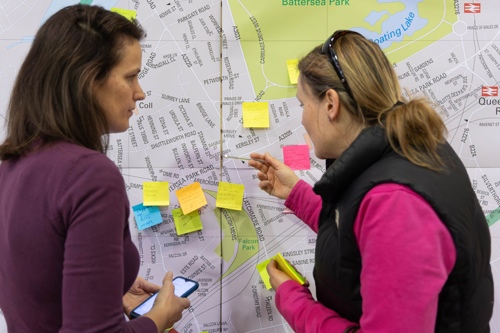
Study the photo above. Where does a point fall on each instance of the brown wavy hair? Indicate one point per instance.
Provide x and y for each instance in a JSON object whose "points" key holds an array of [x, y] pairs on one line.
{"points": [[52, 97], [414, 129]]}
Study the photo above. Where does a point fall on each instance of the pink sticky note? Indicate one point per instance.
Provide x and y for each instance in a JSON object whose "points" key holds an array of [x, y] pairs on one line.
{"points": [[297, 157]]}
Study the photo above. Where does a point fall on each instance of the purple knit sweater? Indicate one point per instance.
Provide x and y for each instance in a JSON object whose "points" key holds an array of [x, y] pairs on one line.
{"points": [[66, 256]]}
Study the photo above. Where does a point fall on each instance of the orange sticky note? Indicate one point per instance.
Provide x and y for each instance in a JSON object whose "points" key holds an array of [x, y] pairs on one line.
{"points": [[255, 114], [191, 198], [293, 71], [230, 196], [155, 194]]}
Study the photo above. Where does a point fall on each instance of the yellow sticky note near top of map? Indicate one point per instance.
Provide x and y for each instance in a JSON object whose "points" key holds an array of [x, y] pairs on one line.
{"points": [[155, 194], [191, 197], [127, 13], [230, 196], [255, 114], [293, 71], [186, 223]]}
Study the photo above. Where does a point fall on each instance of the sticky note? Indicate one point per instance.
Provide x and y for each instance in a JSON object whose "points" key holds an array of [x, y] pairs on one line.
{"points": [[127, 13], [293, 71], [255, 114], [261, 268], [297, 157], [286, 267], [155, 194], [191, 198], [186, 223], [146, 216], [230, 196]]}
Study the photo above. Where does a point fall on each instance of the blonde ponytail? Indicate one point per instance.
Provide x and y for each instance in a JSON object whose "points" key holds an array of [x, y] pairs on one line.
{"points": [[415, 131], [413, 128]]}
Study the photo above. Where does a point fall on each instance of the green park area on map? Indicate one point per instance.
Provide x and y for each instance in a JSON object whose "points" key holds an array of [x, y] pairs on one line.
{"points": [[237, 228], [272, 33]]}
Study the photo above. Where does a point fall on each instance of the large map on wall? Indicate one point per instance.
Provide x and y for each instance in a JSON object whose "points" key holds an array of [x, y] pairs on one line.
{"points": [[203, 58]]}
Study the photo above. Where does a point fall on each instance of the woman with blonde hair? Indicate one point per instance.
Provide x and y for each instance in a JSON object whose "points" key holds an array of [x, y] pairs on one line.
{"points": [[402, 245]]}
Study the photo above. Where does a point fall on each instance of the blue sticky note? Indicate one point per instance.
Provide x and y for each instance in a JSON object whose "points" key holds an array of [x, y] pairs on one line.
{"points": [[146, 216]]}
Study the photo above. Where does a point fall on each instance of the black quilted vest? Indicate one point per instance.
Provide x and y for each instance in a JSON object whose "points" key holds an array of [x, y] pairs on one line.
{"points": [[466, 301]]}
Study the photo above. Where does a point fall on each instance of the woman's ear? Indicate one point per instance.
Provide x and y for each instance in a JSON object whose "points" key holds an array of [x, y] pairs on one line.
{"points": [[332, 104]]}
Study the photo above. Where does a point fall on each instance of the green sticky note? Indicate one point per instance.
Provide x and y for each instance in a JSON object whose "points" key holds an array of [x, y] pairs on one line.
{"points": [[127, 13], [186, 223], [255, 114], [261, 268], [156, 194], [286, 267], [230, 196]]}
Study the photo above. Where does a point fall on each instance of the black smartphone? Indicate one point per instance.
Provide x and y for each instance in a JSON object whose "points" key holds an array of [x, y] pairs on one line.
{"points": [[183, 287]]}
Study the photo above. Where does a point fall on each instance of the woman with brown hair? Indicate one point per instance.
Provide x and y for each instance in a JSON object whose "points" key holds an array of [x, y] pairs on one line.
{"points": [[403, 245], [66, 255]]}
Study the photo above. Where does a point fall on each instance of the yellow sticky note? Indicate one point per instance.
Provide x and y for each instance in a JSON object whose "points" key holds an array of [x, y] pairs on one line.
{"points": [[127, 13], [191, 197], [155, 194], [293, 71], [261, 268], [186, 223], [230, 196], [286, 267], [255, 114]]}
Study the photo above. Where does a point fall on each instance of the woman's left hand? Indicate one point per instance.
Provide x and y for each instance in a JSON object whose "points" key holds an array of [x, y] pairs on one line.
{"points": [[138, 293], [276, 276]]}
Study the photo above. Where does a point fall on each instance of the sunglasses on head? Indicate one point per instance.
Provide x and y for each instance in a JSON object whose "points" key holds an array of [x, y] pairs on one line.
{"points": [[328, 50]]}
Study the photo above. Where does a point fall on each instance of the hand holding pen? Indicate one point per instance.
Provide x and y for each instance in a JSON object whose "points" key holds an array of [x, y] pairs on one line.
{"points": [[276, 178]]}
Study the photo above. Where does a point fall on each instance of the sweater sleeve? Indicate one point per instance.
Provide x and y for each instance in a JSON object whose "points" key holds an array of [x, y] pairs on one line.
{"points": [[407, 254], [305, 204], [93, 204]]}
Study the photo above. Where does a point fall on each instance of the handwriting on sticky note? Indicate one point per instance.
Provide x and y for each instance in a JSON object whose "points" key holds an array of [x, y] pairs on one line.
{"points": [[255, 114], [293, 71], [297, 157], [127, 13], [146, 216], [186, 223], [230, 196], [155, 194], [191, 197], [261, 268]]}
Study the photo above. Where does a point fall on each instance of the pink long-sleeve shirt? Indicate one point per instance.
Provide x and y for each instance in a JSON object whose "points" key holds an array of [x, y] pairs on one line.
{"points": [[404, 265]]}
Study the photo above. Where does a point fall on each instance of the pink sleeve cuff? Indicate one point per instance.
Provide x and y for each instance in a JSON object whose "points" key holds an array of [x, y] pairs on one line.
{"points": [[305, 204]]}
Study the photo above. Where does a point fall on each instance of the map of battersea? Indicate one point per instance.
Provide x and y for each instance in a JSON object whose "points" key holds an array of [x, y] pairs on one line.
{"points": [[203, 59]]}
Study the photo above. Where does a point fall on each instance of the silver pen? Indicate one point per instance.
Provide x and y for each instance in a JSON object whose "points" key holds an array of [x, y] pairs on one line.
{"points": [[246, 159]]}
